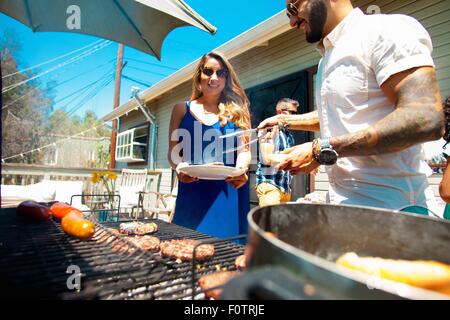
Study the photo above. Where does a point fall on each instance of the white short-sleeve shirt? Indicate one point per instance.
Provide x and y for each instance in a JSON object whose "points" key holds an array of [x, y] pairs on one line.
{"points": [[358, 56]]}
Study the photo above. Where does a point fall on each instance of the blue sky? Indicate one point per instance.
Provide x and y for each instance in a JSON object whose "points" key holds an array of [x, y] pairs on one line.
{"points": [[182, 46]]}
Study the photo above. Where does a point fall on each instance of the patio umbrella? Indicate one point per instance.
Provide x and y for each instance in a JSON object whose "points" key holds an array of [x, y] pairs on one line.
{"points": [[141, 24]]}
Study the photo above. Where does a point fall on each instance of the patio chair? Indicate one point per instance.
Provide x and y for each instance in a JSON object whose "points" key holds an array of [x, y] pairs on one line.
{"points": [[132, 183], [164, 207]]}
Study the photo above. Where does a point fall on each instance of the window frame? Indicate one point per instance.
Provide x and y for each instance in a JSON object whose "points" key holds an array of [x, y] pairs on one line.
{"points": [[124, 149]]}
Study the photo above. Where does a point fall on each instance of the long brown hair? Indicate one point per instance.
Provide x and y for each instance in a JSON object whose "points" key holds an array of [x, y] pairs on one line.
{"points": [[446, 108], [233, 100]]}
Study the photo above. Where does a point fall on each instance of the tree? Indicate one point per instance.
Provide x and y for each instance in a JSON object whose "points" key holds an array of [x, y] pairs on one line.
{"points": [[28, 119], [24, 107]]}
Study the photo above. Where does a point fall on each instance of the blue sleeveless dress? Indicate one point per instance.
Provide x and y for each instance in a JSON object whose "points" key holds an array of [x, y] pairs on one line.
{"points": [[212, 207]]}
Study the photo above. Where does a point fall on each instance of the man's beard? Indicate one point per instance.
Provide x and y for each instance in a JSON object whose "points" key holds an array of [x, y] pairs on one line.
{"points": [[317, 17]]}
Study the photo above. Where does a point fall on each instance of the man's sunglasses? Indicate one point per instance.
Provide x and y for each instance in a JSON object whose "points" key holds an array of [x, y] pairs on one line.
{"points": [[290, 111], [221, 73], [292, 9]]}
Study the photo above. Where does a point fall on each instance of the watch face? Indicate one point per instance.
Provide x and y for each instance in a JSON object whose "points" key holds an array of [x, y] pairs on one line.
{"points": [[328, 157]]}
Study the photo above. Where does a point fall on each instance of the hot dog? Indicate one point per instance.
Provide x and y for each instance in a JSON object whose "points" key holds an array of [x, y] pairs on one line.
{"points": [[430, 275], [33, 212], [74, 224], [60, 209]]}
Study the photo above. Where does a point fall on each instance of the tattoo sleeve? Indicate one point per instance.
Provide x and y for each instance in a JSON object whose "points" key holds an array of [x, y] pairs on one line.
{"points": [[417, 118]]}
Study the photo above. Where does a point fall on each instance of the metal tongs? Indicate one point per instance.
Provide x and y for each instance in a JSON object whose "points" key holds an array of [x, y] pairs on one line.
{"points": [[244, 132]]}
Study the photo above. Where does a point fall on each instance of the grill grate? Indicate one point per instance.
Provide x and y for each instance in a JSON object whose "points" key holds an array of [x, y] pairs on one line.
{"points": [[34, 261]]}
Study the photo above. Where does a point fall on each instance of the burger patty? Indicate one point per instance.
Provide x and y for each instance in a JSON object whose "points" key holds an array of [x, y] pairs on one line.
{"points": [[147, 243], [138, 228], [216, 279], [240, 262], [184, 249]]}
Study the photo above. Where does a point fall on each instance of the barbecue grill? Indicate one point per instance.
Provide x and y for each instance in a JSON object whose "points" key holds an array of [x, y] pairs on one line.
{"points": [[36, 260]]}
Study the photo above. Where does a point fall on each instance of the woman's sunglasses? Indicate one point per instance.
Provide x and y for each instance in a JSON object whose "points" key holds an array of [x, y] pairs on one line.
{"points": [[221, 73], [292, 9]]}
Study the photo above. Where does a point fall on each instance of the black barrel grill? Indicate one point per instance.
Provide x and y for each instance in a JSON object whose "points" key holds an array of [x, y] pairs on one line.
{"points": [[36, 260]]}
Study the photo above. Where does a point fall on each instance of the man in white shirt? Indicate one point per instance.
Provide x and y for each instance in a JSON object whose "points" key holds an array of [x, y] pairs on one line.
{"points": [[377, 99]]}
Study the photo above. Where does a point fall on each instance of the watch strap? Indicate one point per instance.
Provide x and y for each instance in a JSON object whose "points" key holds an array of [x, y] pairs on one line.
{"points": [[316, 147]]}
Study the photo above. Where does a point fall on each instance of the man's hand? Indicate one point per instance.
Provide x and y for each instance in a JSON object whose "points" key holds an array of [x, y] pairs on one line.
{"points": [[239, 181], [269, 122], [299, 160]]}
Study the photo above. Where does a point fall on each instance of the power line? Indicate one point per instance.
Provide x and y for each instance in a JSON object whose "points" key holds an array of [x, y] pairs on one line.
{"points": [[152, 64], [52, 60], [110, 72], [72, 60], [146, 71], [89, 97], [93, 95], [86, 94], [137, 81], [32, 90], [84, 73]]}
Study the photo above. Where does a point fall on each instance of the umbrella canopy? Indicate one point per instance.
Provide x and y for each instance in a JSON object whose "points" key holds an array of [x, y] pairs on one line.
{"points": [[141, 24]]}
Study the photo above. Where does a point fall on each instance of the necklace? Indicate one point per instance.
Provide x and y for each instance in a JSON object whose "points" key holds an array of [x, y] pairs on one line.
{"points": [[209, 112]]}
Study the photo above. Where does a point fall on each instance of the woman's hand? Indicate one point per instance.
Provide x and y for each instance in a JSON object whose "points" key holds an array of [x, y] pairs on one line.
{"points": [[239, 181], [182, 176]]}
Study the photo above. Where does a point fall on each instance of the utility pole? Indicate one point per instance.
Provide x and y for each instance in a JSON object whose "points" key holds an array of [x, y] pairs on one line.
{"points": [[119, 67]]}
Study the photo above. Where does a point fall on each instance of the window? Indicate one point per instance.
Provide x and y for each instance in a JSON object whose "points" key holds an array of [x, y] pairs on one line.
{"points": [[132, 145], [51, 156]]}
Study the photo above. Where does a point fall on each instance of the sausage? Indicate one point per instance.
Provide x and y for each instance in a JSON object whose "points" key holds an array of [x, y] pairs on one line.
{"points": [[60, 209], [426, 274], [74, 225], [33, 212]]}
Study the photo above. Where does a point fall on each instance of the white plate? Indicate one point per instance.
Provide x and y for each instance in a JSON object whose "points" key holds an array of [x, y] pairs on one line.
{"points": [[211, 172]]}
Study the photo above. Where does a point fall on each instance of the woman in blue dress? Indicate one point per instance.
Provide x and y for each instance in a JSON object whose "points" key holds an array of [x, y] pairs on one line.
{"points": [[218, 105]]}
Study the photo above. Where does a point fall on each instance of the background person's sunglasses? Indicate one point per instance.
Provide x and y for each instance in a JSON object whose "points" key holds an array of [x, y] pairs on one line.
{"points": [[221, 73], [290, 111]]}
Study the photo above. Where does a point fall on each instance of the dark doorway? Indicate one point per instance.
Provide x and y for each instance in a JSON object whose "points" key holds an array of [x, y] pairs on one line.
{"points": [[263, 99]]}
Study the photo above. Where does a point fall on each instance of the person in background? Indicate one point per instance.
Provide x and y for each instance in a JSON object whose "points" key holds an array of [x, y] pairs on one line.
{"points": [[444, 186], [377, 101], [218, 106], [274, 186]]}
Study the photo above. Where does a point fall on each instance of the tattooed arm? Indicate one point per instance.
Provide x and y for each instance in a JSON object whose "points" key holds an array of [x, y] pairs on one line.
{"points": [[306, 122], [418, 117]]}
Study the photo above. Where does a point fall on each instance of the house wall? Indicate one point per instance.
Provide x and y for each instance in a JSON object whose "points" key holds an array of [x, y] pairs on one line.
{"points": [[289, 53], [74, 152]]}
